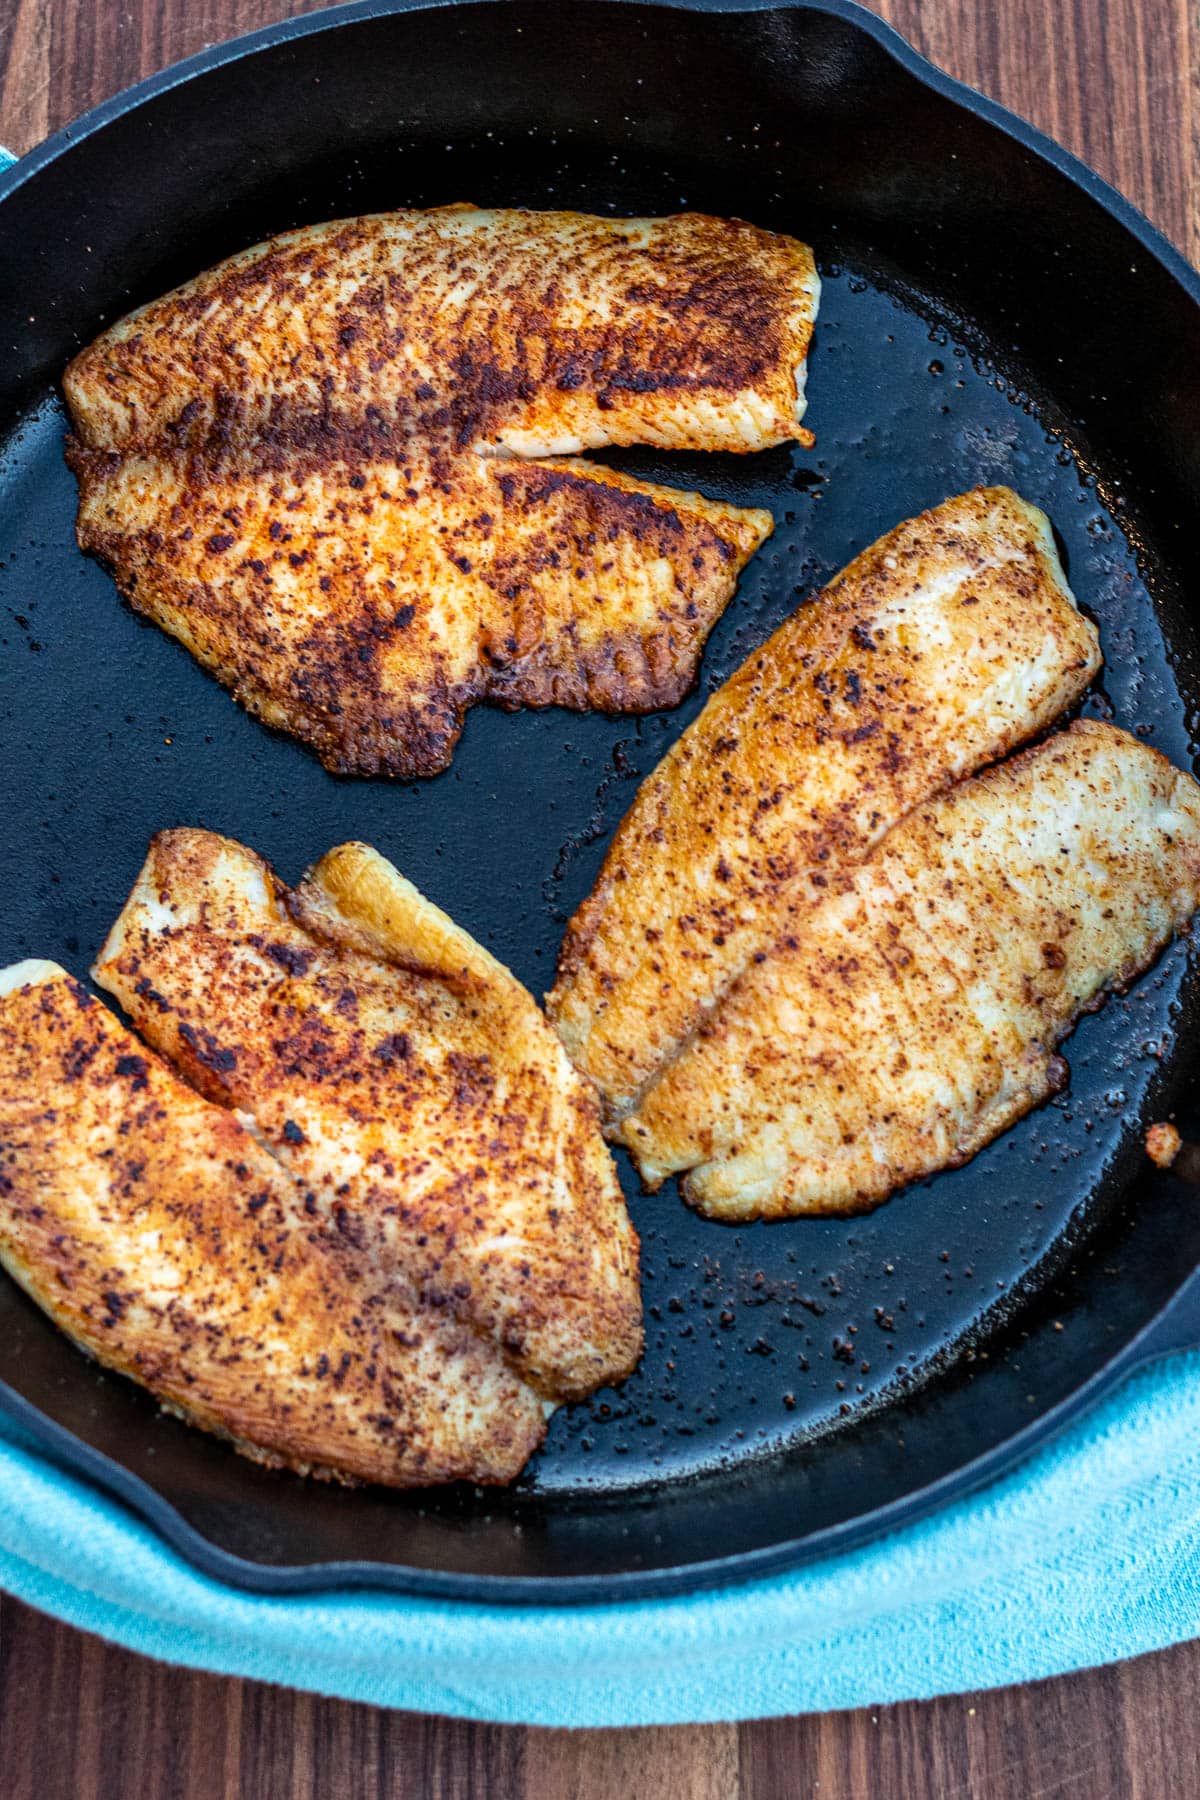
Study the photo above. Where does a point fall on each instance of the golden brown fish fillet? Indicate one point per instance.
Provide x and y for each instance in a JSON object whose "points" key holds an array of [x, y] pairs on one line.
{"points": [[536, 333], [938, 649], [405, 1080], [363, 606], [915, 1013], [304, 464], [163, 1239]]}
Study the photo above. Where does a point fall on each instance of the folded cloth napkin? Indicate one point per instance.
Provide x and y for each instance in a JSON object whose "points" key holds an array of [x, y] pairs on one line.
{"points": [[1089, 1552]]}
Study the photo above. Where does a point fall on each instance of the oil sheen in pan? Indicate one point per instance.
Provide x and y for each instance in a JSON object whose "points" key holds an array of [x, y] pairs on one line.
{"points": [[757, 1336]]}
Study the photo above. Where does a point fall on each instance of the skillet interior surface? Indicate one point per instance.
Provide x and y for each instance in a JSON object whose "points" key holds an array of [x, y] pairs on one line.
{"points": [[983, 320]]}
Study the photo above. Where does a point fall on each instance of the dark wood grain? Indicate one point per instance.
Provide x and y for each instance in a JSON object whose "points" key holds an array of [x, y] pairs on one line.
{"points": [[1115, 80], [80, 1720]]}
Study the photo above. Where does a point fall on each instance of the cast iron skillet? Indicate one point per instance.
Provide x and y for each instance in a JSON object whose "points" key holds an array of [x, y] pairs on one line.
{"points": [[992, 312]]}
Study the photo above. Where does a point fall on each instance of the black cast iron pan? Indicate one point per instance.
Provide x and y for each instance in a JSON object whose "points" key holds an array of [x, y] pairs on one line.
{"points": [[992, 312]]}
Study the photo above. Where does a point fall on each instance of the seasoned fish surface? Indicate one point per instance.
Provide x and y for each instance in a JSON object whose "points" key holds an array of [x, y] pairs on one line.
{"points": [[404, 1079], [937, 650], [536, 333], [306, 464], [160, 1236], [917, 1011], [364, 606]]}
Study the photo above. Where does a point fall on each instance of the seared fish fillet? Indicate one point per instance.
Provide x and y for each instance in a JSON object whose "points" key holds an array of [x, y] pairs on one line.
{"points": [[303, 464], [936, 651], [539, 334], [407, 1083], [916, 1012], [163, 1239], [363, 606]]}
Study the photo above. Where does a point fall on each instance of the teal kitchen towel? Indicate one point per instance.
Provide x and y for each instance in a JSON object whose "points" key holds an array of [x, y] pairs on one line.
{"points": [[1089, 1552]]}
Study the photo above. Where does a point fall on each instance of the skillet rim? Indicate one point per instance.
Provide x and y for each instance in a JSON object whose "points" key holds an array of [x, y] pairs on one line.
{"points": [[333, 18], [1175, 1326]]}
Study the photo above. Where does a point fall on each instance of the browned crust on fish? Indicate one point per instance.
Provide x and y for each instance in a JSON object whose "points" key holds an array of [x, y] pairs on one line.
{"points": [[406, 1080], [918, 1011], [304, 464], [176, 1250], [364, 607], [455, 326], [938, 649]]}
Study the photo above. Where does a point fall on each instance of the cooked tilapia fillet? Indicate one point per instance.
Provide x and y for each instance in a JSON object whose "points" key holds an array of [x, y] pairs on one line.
{"points": [[404, 1079], [365, 605], [915, 1013], [937, 650], [305, 464], [160, 1236], [534, 333]]}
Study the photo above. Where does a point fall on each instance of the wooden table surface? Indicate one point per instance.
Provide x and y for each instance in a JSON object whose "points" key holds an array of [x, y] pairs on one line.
{"points": [[1115, 80]]}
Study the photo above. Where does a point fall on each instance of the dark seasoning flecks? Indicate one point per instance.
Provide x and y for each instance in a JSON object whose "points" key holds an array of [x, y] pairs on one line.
{"points": [[757, 1336]]}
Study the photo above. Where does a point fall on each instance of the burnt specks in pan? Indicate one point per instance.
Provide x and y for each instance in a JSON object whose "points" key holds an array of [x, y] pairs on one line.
{"points": [[329, 465]]}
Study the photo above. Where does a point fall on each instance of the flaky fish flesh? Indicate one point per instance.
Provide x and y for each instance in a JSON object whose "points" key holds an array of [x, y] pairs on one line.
{"points": [[333, 466], [917, 1011], [168, 1243], [344, 1201], [407, 1082], [939, 649]]}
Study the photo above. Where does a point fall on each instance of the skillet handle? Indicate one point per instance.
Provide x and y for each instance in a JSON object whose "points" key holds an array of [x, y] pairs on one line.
{"points": [[7, 159]]}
